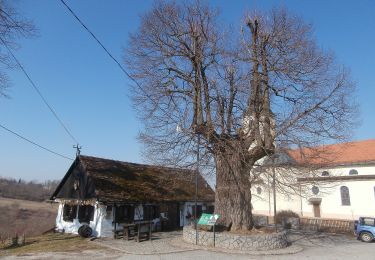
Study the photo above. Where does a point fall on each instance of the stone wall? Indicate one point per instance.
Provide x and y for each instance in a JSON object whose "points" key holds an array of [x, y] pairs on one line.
{"points": [[236, 241]]}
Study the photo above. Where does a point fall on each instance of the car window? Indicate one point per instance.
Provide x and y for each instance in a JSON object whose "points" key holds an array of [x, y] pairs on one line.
{"points": [[368, 222]]}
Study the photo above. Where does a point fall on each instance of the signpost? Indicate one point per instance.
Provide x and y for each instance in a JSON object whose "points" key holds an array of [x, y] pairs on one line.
{"points": [[209, 220]]}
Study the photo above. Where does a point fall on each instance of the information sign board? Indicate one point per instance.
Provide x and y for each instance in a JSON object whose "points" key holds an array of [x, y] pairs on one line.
{"points": [[208, 219]]}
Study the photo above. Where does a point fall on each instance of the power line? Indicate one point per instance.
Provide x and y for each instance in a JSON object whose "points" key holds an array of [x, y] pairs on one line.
{"points": [[34, 143], [38, 91], [99, 42], [107, 51]]}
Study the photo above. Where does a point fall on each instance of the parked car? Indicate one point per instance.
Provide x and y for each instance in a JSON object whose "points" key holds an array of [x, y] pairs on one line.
{"points": [[365, 229]]}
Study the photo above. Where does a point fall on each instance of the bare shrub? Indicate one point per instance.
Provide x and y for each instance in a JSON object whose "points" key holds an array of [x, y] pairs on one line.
{"points": [[283, 215]]}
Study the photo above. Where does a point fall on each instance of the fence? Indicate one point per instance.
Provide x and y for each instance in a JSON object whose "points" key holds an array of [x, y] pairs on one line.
{"points": [[7, 241], [312, 224], [327, 225]]}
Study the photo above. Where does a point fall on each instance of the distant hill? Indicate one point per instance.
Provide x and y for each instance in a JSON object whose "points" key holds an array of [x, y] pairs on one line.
{"points": [[25, 217], [23, 209], [19, 189]]}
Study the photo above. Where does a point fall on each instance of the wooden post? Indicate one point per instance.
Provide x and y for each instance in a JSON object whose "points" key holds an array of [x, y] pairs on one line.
{"points": [[196, 189], [150, 234], [274, 194], [214, 234], [126, 233], [114, 220], [15, 240], [138, 232]]}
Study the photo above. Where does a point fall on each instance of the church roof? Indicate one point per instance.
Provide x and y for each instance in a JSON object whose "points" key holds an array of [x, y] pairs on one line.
{"points": [[349, 153]]}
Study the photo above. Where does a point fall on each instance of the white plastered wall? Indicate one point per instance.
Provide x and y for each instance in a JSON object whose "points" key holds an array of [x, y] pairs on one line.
{"points": [[102, 223], [72, 227], [362, 197]]}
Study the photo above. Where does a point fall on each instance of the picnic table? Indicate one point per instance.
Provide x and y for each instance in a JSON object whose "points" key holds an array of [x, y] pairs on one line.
{"points": [[136, 230]]}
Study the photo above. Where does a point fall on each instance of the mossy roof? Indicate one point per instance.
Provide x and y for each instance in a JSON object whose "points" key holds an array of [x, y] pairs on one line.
{"points": [[117, 181]]}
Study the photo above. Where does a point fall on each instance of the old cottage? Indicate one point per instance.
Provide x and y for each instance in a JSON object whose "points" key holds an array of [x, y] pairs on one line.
{"points": [[106, 194]]}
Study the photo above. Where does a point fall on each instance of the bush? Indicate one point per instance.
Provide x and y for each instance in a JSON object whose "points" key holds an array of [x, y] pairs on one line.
{"points": [[283, 216], [23, 190]]}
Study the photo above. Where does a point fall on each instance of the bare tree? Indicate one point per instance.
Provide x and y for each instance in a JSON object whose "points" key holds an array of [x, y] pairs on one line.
{"points": [[243, 94], [12, 27]]}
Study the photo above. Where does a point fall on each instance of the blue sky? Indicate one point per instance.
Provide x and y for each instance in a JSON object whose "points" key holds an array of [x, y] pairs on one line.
{"points": [[91, 94]]}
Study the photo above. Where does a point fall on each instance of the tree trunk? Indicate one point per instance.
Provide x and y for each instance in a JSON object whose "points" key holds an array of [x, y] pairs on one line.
{"points": [[233, 194]]}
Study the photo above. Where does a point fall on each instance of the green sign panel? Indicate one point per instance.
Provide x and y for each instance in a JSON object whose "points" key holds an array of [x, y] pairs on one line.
{"points": [[208, 219]]}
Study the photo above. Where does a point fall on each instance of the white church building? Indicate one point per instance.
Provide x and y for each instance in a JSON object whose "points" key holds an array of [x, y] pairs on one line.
{"points": [[339, 185]]}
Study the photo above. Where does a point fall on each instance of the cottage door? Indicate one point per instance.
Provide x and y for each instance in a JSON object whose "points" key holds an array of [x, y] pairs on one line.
{"points": [[316, 208]]}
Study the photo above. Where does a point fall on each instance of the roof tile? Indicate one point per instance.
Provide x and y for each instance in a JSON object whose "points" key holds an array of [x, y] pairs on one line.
{"points": [[357, 152]]}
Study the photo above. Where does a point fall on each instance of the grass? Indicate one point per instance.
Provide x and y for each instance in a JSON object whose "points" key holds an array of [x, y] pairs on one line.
{"points": [[28, 204], [50, 242], [33, 218], [25, 217]]}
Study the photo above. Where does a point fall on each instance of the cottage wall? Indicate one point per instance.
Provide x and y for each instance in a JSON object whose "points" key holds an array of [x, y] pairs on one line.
{"points": [[72, 227], [105, 222], [102, 223], [187, 209]]}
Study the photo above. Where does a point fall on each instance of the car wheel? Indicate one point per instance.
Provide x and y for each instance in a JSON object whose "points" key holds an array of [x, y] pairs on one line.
{"points": [[366, 237]]}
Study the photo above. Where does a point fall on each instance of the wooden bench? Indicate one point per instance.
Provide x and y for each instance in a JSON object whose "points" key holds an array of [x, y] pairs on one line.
{"points": [[129, 231], [137, 231], [143, 230]]}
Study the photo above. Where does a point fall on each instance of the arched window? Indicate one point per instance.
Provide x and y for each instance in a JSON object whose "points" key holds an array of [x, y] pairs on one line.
{"points": [[315, 190], [325, 173], [259, 190], [345, 197], [353, 172]]}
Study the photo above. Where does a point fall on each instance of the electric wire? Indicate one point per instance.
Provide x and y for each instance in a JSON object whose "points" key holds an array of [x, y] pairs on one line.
{"points": [[34, 143], [99, 42], [109, 54], [38, 91]]}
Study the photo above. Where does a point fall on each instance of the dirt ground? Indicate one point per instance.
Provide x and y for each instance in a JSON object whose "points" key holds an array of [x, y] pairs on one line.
{"points": [[313, 246]]}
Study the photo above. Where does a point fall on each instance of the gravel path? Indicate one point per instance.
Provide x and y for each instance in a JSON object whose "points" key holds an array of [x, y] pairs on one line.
{"points": [[164, 246], [160, 244]]}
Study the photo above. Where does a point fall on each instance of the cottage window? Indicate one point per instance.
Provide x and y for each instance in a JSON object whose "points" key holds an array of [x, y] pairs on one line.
{"points": [[147, 211], [210, 209], [69, 212], [353, 172], [345, 197], [325, 173], [85, 213], [199, 211], [151, 212], [108, 212], [155, 212], [124, 214]]}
